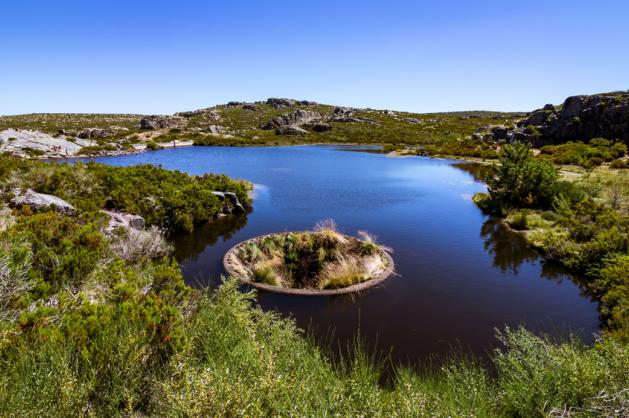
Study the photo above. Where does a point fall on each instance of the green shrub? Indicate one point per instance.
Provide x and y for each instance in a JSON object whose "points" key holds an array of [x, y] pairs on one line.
{"points": [[520, 221], [521, 180], [152, 145], [619, 164], [539, 378], [596, 152], [171, 200]]}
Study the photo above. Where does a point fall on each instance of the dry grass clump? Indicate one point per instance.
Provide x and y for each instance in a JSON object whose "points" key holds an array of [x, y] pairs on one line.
{"points": [[133, 244], [319, 259]]}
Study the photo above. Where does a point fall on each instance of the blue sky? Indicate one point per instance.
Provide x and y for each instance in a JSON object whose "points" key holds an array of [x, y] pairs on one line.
{"points": [[162, 57]]}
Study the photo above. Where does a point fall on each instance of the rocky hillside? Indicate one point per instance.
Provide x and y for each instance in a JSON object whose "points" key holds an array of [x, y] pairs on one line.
{"points": [[274, 121], [278, 121], [579, 118]]}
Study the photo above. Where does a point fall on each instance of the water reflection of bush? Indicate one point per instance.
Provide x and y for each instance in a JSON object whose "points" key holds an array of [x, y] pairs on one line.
{"points": [[478, 171], [510, 250], [189, 246]]}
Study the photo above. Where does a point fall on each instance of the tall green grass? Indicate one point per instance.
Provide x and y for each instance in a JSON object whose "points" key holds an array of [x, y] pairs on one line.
{"points": [[237, 360]]}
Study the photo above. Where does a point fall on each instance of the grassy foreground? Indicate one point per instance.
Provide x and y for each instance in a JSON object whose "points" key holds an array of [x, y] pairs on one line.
{"points": [[98, 325]]}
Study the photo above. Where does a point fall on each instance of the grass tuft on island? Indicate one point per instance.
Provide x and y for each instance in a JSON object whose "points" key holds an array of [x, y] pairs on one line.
{"points": [[321, 261]]}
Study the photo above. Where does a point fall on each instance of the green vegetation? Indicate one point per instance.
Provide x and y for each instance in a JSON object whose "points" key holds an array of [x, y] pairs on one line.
{"points": [[99, 325], [52, 123], [587, 229], [461, 148], [594, 153], [169, 199]]}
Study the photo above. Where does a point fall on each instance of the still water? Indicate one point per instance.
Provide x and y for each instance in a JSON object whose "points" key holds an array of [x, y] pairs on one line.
{"points": [[460, 275]]}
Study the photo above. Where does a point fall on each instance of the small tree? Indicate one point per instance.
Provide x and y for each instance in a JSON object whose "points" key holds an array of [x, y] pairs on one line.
{"points": [[521, 180]]}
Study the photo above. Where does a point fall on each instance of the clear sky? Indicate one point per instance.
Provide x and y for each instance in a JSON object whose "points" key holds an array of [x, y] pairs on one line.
{"points": [[167, 56]]}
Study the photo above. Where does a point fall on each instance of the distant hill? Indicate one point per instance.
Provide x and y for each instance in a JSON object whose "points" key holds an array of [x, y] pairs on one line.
{"points": [[278, 121], [270, 122]]}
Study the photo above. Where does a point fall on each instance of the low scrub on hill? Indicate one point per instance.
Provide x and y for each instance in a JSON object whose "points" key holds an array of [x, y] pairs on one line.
{"points": [[594, 153]]}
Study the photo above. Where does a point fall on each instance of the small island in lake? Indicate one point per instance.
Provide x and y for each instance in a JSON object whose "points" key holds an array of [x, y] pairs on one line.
{"points": [[318, 262]]}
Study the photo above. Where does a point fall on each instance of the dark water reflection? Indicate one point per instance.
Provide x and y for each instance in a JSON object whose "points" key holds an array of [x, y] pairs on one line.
{"points": [[460, 274]]}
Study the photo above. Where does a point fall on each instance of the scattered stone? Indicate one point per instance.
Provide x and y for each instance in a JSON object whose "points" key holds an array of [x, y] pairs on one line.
{"points": [[250, 106], [234, 104], [39, 202], [345, 114], [208, 113], [162, 122], [414, 121]]}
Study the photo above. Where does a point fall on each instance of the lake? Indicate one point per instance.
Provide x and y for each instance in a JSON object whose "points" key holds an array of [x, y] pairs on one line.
{"points": [[459, 276]]}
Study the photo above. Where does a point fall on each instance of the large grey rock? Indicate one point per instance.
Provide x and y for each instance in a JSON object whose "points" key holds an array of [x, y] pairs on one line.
{"points": [[499, 132], [40, 201], [94, 133], [296, 118], [291, 130], [162, 122], [217, 129], [320, 127], [16, 141], [280, 103]]}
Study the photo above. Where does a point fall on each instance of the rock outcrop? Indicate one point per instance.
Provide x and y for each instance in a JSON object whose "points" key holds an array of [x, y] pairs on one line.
{"points": [[161, 122], [345, 114], [579, 118], [291, 130], [94, 133], [319, 127], [208, 113], [280, 103], [217, 129], [296, 118], [40, 202], [20, 142]]}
